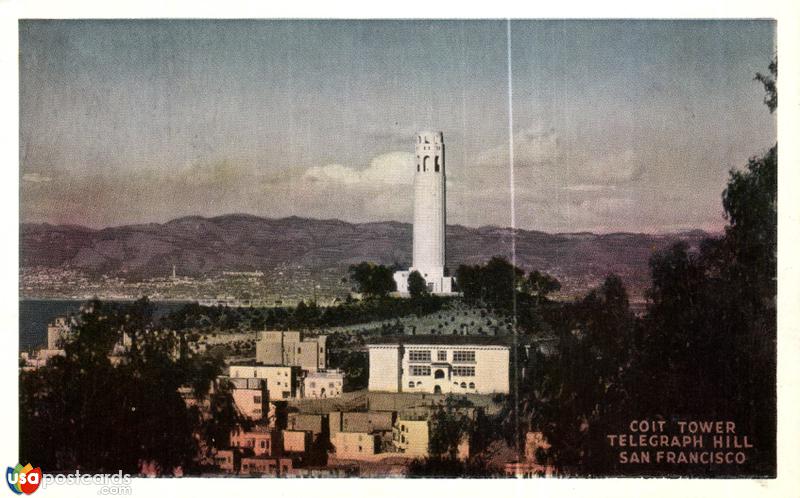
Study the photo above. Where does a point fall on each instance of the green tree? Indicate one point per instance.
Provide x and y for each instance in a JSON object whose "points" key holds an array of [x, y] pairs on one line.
{"points": [[576, 395], [712, 318], [417, 287], [373, 280], [770, 82], [540, 285], [71, 411]]}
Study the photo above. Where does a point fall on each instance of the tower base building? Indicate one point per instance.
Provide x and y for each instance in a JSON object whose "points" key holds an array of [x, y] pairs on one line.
{"points": [[437, 282]]}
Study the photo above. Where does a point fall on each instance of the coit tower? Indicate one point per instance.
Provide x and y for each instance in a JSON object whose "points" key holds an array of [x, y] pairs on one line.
{"points": [[429, 216], [429, 205]]}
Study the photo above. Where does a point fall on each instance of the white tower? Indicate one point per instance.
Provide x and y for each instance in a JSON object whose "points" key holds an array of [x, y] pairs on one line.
{"points": [[429, 215]]}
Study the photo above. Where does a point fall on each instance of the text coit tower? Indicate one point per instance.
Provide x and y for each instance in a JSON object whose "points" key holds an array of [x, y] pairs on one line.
{"points": [[430, 215]]}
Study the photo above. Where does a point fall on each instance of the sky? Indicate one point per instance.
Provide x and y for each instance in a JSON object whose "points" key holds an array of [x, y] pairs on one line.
{"points": [[615, 125]]}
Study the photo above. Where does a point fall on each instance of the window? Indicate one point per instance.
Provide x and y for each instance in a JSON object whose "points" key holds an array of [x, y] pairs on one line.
{"points": [[321, 350], [463, 356], [441, 355], [463, 385], [472, 385], [420, 370], [411, 384], [313, 385], [464, 371], [263, 444], [419, 355], [330, 385], [256, 399], [436, 163], [299, 350]]}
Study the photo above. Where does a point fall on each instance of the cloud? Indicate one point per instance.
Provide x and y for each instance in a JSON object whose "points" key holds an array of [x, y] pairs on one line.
{"points": [[335, 173], [588, 188], [612, 169], [393, 168], [543, 158], [35, 178], [533, 146]]}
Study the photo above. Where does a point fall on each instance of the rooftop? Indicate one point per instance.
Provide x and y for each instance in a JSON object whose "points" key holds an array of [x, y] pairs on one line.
{"points": [[446, 340]]}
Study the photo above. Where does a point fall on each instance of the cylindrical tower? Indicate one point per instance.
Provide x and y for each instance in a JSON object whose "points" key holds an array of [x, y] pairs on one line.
{"points": [[429, 205]]}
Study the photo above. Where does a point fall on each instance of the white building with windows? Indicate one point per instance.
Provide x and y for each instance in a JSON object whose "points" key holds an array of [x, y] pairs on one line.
{"points": [[319, 384], [439, 364]]}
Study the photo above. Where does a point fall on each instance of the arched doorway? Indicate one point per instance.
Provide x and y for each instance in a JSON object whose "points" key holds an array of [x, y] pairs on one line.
{"points": [[437, 389]]}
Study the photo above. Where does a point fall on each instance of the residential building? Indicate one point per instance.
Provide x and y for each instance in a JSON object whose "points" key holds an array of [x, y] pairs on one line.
{"points": [[439, 364], [283, 381], [323, 384], [228, 460], [412, 436], [57, 332], [365, 422], [267, 466], [355, 445], [258, 440], [251, 397], [534, 441], [296, 441], [307, 422], [290, 348]]}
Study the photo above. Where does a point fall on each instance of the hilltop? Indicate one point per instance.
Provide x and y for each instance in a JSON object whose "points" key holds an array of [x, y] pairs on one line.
{"points": [[200, 246]]}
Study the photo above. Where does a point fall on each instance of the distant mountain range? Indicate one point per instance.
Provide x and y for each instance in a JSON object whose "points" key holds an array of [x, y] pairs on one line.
{"points": [[202, 246]]}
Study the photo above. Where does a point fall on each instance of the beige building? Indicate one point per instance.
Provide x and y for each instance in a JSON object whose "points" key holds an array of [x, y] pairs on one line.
{"points": [[282, 381], [439, 365], [57, 332], [411, 436], [227, 460], [355, 445], [296, 441], [267, 466], [307, 422], [290, 348], [323, 384], [364, 422], [251, 397], [259, 440]]}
